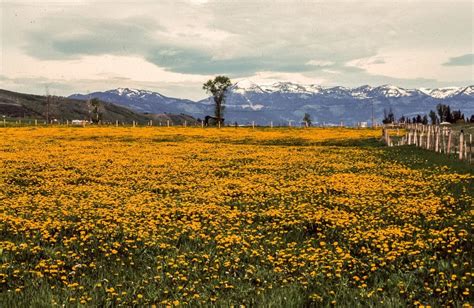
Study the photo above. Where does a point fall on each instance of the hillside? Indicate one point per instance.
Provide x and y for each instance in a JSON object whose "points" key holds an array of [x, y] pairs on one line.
{"points": [[20, 105], [13, 104]]}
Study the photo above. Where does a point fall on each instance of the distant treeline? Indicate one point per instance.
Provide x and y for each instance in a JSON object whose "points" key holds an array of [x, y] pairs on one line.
{"points": [[442, 114]]}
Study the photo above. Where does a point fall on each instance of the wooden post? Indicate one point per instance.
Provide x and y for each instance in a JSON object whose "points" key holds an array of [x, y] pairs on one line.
{"points": [[202, 124], [168, 123], [428, 139], [443, 140], [253, 124], [436, 141], [465, 148], [271, 124], [185, 123], [470, 148], [461, 145], [448, 150]]}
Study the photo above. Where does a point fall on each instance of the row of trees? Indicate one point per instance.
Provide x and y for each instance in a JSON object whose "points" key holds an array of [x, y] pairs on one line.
{"points": [[442, 114]]}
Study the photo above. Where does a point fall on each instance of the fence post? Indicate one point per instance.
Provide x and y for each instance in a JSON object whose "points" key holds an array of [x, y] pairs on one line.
{"points": [[465, 148], [461, 144], [428, 140], [470, 148], [271, 124], [185, 123], [253, 124], [449, 143]]}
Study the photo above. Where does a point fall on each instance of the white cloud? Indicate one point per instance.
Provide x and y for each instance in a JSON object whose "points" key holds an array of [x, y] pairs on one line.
{"points": [[411, 63], [272, 77], [320, 63]]}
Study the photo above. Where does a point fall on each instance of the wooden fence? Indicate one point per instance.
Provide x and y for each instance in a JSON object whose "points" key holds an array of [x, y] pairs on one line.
{"points": [[438, 138]]}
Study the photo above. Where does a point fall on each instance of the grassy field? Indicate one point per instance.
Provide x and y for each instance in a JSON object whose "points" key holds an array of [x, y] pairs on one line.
{"points": [[263, 217]]}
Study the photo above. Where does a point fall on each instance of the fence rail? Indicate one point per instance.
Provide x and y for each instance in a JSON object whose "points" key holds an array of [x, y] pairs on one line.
{"points": [[438, 138]]}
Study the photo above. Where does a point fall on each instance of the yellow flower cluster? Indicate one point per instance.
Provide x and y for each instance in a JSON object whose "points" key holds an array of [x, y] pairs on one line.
{"points": [[177, 216]]}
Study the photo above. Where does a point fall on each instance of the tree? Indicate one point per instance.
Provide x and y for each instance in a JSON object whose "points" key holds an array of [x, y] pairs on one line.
{"points": [[96, 114], [419, 119], [218, 88], [433, 117], [444, 112], [425, 120], [307, 119], [388, 117], [457, 116]]}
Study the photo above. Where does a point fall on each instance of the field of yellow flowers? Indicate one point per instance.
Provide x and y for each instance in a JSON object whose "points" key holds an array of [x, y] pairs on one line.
{"points": [[111, 216]]}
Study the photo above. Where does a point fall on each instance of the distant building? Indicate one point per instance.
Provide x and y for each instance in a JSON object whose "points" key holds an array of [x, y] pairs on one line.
{"points": [[79, 122]]}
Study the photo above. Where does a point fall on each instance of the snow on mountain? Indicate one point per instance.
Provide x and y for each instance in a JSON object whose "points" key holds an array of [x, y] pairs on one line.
{"points": [[133, 92], [391, 91], [442, 93], [468, 91], [362, 92], [246, 86], [143, 101]]}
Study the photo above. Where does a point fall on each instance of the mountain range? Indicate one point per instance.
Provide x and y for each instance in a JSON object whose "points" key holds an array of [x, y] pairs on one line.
{"points": [[287, 101]]}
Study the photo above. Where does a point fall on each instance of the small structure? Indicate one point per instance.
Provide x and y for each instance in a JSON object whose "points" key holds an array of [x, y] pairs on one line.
{"points": [[79, 122]]}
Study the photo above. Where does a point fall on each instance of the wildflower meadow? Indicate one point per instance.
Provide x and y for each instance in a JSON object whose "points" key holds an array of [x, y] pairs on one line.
{"points": [[282, 217]]}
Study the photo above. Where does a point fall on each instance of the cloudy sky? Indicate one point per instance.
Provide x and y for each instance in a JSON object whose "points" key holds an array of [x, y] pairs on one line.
{"points": [[174, 46]]}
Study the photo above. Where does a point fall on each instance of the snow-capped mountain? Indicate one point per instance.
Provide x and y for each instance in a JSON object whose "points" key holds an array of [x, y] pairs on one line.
{"points": [[143, 101], [447, 92], [286, 101]]}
